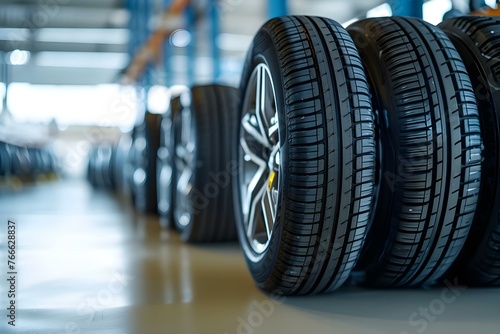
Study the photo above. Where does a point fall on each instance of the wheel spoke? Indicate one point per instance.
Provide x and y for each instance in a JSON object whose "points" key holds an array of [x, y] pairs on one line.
{"points": [[184, 182], [257, 194], [273, 129], [250, 129], [253, 189]]}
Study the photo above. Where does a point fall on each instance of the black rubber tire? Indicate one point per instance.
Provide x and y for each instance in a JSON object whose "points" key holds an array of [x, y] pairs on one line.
{"points": [[477, 39], [430, 152], [35, 161], [45, 155], [21, 163], [145, 195], [91, 166], [166, 173], [5, 159], [105, 166], [327, 153], [212, 111], [120, 164], [99, 167]]}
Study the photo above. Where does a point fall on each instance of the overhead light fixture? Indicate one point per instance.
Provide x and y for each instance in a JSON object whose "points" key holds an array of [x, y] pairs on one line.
{"points": [[14, 34], [19, 57], [180, 38], [105, 60], [83, 35]]}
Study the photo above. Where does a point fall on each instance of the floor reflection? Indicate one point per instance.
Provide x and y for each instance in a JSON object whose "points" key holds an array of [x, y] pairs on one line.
{"points": [[88, 264]]}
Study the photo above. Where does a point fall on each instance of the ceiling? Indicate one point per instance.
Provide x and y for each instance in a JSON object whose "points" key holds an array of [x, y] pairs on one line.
{"points": [[85, 42]]}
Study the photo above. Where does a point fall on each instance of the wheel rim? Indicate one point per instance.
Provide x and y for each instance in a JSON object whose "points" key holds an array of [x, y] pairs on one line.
{"points": [[259, 159], [185, 165]]}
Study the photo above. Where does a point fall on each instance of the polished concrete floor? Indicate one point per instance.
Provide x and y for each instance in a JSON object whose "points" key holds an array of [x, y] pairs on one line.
{"points": [[87, 264]]}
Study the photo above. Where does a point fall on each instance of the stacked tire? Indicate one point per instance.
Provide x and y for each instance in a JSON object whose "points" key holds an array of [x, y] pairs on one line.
{"points": [[100, 171], [145, 144], [25, 164], [477, 39], [362, 155], [347, 155]]}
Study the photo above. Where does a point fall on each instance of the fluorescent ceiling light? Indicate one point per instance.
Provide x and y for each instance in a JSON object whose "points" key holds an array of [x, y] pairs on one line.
{"points": [[14, 34], [106, 60], [102, 105], [82, 35]]}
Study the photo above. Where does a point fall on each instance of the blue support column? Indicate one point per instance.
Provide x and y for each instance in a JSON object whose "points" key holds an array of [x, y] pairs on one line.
{"points": [[214, 15], [412, 8], [277, 8], [133, 27], [167, 56], [191, 48], [146, 32]]}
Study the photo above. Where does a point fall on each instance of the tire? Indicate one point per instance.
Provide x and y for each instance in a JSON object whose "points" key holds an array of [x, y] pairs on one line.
{"points": [[120, 163], [5, 160], [105, 168], [21, 163], [166, 174], [203, 210], [91, 166], [308, 156], [45, 155], [146, 144], [429, 156], [477, 39], [35, 161]]}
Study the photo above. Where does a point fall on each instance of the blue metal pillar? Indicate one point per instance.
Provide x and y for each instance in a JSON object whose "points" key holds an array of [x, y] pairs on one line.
{"points": [[412, 8], [133, 27], [191, 48], [168, 65], [277, 8], [146, 32], [214, 15]]}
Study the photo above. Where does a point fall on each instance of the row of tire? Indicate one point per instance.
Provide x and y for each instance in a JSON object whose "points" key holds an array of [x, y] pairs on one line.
{"points": [[368, 154], [25, 163]]}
